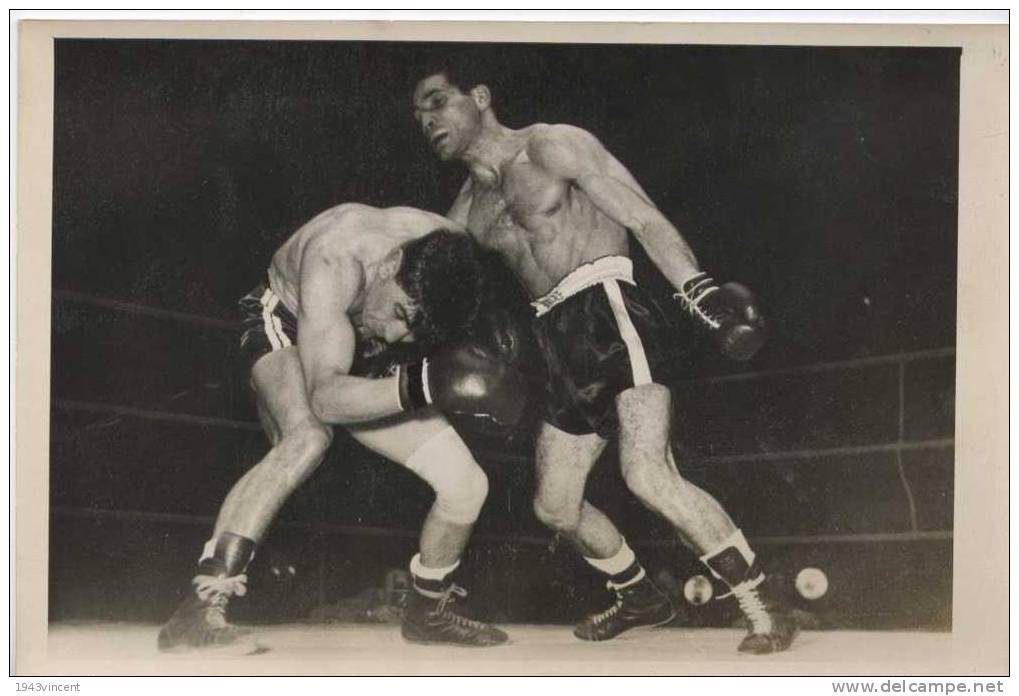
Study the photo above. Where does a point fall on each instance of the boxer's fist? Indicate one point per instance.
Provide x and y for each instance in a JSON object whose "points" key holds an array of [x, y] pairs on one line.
{"points": [[729, 312], [466, 380]]}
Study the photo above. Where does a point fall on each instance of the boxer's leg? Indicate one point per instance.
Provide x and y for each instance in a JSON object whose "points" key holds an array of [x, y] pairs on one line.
{"points": [[650, 472], [563, 463], [299, 441], [427, 445]]}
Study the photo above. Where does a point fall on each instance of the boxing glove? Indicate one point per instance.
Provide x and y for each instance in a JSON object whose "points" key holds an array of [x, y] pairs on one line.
{"points": [[465, 380], [729, 312]]}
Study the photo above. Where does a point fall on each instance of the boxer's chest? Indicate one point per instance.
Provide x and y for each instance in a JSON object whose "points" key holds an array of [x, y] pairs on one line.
{"points": [[518, 209]]}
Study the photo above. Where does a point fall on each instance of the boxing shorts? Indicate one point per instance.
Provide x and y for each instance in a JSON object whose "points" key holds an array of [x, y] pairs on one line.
{"points": [[600, 334], [268, 325]]}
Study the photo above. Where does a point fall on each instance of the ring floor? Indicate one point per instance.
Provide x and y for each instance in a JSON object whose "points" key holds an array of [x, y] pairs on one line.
{"points": [[325, 649]]}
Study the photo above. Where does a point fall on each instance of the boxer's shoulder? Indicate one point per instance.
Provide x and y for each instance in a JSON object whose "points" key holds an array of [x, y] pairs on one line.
{"points": [[547, 134], [558, 146]]}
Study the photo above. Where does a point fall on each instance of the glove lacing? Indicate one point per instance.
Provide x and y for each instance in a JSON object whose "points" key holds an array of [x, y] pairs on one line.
{"points": [[693, 293], [216, 591], [752, 606], [449, 596]]}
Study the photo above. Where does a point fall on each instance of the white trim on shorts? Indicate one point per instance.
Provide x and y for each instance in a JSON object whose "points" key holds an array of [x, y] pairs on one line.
{"points": [[271, 323], [634, 346], [585, 276]]}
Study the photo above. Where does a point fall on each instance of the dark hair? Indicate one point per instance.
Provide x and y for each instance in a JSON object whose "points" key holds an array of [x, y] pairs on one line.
{"points": [[441, 274], [462, 70]]}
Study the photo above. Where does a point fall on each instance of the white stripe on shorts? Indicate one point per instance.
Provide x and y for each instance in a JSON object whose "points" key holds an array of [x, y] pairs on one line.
{"points": [[280, 333], [270, 321], [634, 346]]}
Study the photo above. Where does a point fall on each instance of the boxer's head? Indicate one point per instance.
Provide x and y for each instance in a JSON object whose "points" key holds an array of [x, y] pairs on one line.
{"points": [[426, 291], [451, 107]]}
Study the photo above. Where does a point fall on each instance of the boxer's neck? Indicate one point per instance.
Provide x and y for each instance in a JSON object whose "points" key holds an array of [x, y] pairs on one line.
{"points": [[494, 146]]}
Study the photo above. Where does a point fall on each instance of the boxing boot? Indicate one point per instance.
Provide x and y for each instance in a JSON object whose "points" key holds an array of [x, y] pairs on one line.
{"points": [[431, 617], [770, 627], [638, 603], [728, 312], [200, 620]]}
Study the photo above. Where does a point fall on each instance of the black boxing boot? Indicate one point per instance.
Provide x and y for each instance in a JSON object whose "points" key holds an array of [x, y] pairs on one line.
{"points": [[770, 628], [200, 621], [638, 602], [638, 605], [728, 312], [432, 617]]}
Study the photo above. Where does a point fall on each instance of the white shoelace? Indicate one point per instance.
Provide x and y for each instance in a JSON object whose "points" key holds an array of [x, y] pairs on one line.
{"points": [[217, 592], [752, 606], [449, 597], [597, 619]]}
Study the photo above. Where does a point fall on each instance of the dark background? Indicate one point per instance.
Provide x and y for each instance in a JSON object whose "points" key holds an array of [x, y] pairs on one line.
{"points": [[823, 178]]}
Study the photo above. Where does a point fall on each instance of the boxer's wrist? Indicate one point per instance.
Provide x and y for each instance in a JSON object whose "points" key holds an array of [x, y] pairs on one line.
{"points": [[692, 294], [413, 392]]}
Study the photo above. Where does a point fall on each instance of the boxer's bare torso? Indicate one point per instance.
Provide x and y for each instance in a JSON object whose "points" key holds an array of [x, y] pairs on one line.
{"points": [[348, 236], [541, 222]]}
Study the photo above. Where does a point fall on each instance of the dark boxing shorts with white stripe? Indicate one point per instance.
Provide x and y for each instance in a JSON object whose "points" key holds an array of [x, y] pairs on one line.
{"points": [[268, 325], [601, 334]]}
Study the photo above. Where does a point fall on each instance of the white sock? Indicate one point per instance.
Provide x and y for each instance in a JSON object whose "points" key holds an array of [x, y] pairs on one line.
{"points": [[209, 550], [615, 565], [426, 573]]}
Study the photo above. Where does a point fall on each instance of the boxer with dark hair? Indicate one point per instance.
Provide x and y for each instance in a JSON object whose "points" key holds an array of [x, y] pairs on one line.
{"points": [[557, 206], [348, 283]]}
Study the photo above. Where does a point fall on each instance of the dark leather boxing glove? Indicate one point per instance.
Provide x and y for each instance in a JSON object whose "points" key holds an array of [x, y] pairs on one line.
{"points": [[466, 380], [501, 334], [729, 312]]}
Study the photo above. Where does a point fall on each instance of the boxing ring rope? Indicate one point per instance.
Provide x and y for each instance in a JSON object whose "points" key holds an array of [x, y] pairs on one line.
{"points": [[165, 416], [144, 310], [327, 529], [898, 447]]}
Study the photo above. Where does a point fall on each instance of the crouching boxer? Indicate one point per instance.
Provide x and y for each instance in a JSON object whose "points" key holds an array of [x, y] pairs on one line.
{"points": [[347, 284]]}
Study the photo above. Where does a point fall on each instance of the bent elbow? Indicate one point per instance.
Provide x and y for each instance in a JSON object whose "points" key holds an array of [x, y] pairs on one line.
{"points": [[321, 407]]}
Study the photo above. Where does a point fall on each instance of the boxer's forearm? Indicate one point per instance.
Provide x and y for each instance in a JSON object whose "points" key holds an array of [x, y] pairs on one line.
{"points": [[663, 243], [340, 399], [666, 248]]}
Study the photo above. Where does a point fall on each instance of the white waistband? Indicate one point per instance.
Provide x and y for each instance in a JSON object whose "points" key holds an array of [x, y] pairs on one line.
{"points": [[583, 277]]}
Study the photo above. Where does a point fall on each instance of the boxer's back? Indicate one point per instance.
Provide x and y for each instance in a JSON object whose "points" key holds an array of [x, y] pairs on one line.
{"points": [[350, 230]]}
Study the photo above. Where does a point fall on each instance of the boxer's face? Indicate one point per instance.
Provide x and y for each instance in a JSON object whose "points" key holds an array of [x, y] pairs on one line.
{"points": [[386, 313], [387, 310], [449, 119]]}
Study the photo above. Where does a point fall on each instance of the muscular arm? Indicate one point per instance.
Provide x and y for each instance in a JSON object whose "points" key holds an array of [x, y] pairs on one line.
{"points": [[577, 156], [329, 286]]}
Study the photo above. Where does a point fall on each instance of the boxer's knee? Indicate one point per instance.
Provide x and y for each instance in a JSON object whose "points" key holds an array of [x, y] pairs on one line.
{"points": [[651, 478], [448, 466], [460, 497], [556, 516], [302, 447], [309, 437]]}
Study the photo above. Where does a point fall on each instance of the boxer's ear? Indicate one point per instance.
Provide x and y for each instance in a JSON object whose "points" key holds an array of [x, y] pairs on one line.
{"points": [[391, 263], [481, 96]]}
